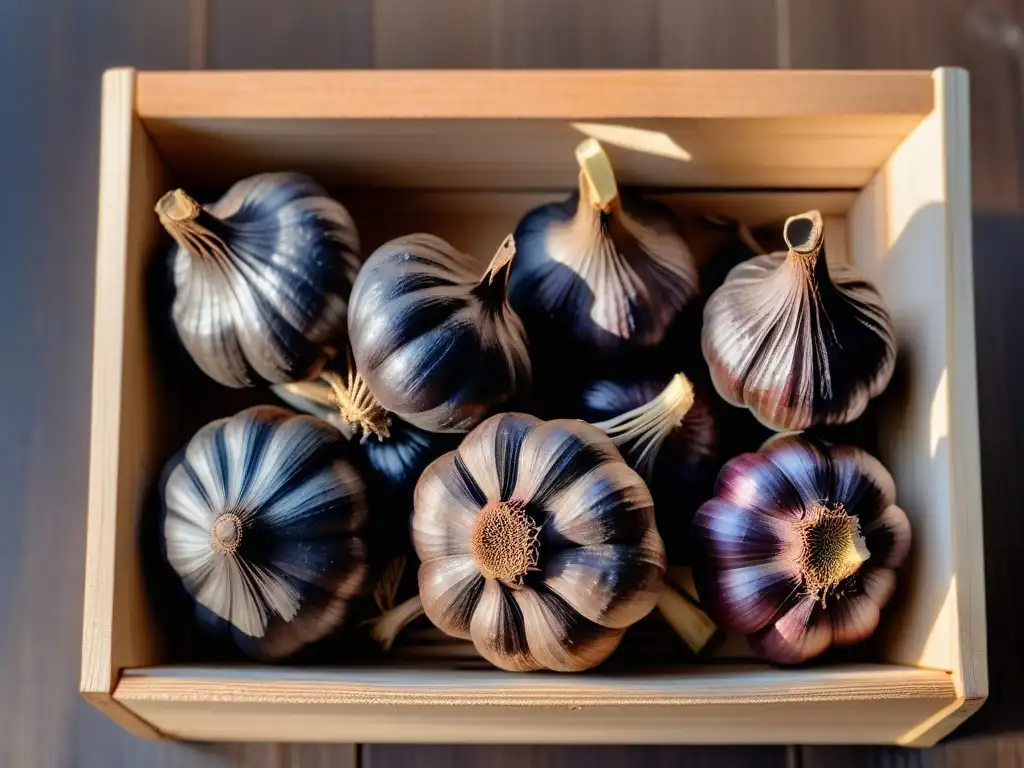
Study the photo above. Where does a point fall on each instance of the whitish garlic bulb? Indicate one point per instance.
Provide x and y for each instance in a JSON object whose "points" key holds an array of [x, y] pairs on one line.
{"points": [[798, 341], [606, 271], [262, 278], [537, 542], [262, 521]]}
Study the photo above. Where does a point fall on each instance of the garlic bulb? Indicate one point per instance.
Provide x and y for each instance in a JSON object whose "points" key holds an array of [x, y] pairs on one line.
{"points": [[798, 547], [391, 462], [798, 341], [537, 542], [606, 271], [667, 434], [261, 523], [262, 278], [433, 342]]}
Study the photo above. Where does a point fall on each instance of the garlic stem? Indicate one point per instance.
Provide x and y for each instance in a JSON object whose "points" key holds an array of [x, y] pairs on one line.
{"points": [[501, 259], [689, 622], [177, 206], [597, 174], [647, 427], [357, 404], [493, 286], [805, 232], [681, 577], [387, 626], [190, 226]]}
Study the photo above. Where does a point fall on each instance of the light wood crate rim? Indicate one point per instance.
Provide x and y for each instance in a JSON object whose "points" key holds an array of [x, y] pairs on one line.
{"points": [[701, 686], [554, 94]]}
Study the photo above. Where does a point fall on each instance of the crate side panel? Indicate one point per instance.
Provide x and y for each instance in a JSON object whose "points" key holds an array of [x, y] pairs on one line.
{"points": [[117, 632], [910, 234]]}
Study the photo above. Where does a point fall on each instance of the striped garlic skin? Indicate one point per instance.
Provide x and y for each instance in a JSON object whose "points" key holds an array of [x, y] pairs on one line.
{"points": [[299, 507], [262, 280], [600, 561], [798, 344], [749, 579], [611, 282], [437, 345], [681, 473]]}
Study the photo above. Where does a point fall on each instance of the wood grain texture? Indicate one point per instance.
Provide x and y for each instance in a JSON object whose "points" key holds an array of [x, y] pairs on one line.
{"points": [[429, 756], [549, 94], [911, 236], [298, 34], [761, 706], [734, 34]]}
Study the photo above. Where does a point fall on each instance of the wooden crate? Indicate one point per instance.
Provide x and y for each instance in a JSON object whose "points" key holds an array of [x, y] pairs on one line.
{"points": [[464, 154]]}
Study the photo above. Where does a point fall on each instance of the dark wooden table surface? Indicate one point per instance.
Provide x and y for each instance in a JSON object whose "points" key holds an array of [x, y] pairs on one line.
{"points": [[51, 56]]}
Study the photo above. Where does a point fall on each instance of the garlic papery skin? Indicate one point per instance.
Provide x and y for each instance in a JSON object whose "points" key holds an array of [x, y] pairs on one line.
{"points": [[537, 542], [605, 272], [798, 341], [436, 343], [262, 278], [667, 434], [799, 546], [262, 522]]}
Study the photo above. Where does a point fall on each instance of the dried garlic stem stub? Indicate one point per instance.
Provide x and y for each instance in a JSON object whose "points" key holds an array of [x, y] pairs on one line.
{"points": [[605, 272], [694, 627], [798, 341], [597, 173], [390, 623], [497, 527]]}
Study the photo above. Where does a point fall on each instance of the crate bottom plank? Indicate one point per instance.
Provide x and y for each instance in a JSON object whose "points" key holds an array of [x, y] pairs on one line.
{"points": [[878, 703]]}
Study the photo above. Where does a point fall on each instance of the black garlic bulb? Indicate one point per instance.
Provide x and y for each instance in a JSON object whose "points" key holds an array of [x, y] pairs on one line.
{"points": [[798, 548], [262, 278], [605, 271], [798, 341], [262, 523], [433, 342], [390, 460], [667, 434]]}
